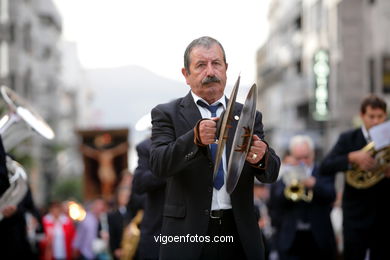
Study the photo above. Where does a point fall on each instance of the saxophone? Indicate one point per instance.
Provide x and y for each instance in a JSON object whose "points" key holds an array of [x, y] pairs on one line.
{"points": [[131, 237], [361, 179]]}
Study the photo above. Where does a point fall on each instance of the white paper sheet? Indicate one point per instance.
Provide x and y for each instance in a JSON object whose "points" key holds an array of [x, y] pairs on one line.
{"points": [[380, 134]]}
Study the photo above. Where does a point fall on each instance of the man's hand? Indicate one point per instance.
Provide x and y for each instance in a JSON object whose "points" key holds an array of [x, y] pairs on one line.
{"points": [[309, 182], [363, 159], [256, 151], [9, 211], [387, 172], [207, 130]]}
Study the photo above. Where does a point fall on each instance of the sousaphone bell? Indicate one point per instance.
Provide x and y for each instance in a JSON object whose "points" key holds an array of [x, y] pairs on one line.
{"points": [[18, 110]]}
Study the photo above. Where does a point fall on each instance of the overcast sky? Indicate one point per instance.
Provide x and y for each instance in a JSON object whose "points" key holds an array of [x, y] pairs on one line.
{"points": [[154, 33]]}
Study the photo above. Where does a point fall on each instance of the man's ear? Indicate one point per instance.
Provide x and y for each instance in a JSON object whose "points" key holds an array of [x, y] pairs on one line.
{"points": [[185, 74]]}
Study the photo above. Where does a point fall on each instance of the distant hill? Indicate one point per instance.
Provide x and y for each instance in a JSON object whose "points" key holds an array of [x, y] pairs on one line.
{"points": [[123, 95]]}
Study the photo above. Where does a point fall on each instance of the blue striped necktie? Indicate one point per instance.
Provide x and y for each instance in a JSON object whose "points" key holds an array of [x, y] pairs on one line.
{"points": [[219, 179]]}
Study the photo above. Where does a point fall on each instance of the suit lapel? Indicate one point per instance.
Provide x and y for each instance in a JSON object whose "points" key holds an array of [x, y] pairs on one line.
{"points": [[362, 140], [189, 111]]}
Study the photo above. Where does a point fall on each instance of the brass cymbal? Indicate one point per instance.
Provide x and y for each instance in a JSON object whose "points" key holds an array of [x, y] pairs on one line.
{"points": [[224, 126], [242, 140]]}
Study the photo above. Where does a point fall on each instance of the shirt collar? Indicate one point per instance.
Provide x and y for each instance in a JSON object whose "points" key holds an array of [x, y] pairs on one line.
{"points": [[366, 134], [222, 100]]}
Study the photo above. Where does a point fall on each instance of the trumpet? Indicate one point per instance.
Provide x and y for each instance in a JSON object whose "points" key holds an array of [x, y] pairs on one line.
{"points": [[18, 110], [292, 176], [361, 179]]}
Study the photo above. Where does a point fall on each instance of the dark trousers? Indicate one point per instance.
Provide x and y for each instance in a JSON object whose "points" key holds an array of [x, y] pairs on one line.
{"points": [[305, 248], [357, 242], [224, 226]]}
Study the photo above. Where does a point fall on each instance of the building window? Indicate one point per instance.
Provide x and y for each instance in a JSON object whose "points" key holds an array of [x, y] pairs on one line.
{"points": [[27, 84], [46, 53], [298, 66], [371, 71], [4, 59], [386, 74], [12, 81], [27, 39], [298, 22], [303, 110], [12, 33], [4, 16]]}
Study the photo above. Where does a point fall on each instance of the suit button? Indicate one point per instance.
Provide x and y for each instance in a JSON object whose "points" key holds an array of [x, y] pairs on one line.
{"points": [[207, 212], [210, 189], [210, 164]]}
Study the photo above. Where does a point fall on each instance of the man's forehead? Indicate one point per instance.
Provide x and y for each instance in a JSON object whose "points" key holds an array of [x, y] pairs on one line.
{"points": [[376, 110], [207, 50], [301, 148]]}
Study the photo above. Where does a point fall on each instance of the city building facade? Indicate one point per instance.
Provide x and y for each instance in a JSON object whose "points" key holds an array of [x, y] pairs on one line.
{"points": [[30, 31], [322, 57]]}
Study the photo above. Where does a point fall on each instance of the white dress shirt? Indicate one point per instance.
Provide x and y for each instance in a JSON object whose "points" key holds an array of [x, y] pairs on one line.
{"points": [[221, 199], [366, 134]]}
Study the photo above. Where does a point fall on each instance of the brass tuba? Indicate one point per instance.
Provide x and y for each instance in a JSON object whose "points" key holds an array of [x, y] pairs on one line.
{"points": [[13, 133], [18, 185], [361, 179], [292, 176]]}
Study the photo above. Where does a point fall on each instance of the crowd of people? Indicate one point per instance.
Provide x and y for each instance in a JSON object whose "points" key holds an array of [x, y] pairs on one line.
{"points": [[46, 234], [280, 209]]}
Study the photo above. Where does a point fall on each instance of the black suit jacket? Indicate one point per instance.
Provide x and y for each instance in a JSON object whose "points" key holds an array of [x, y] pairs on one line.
{"points": [[13, 231], [316, 212], [4, 182], [188, 169], [144, 182], [362, 208]]}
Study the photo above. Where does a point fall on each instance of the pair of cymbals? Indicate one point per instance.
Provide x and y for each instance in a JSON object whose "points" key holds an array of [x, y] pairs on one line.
{"points": [[242, 137]]}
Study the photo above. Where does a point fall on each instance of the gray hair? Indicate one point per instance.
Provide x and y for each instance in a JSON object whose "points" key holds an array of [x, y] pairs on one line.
{"points": [[204, 41], [301, 139]]}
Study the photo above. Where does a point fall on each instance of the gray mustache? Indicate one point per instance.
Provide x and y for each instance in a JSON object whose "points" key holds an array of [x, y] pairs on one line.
{"points": [[207, 80]]}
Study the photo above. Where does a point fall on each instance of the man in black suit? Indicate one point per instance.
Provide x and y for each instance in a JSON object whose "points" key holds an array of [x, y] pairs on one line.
{"points": [[127, 206], [13, 230], [4, 182], [366, 213], [196, 206], [117, 219], [305, 229], [145, 182]]}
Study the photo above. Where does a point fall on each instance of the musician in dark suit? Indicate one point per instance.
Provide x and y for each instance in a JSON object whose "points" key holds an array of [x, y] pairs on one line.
{"points": [[366, 214], [305, 229], [4, 182], [127, 205], [14, 241], [182, 142], [145, 182], [117, 219]]}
